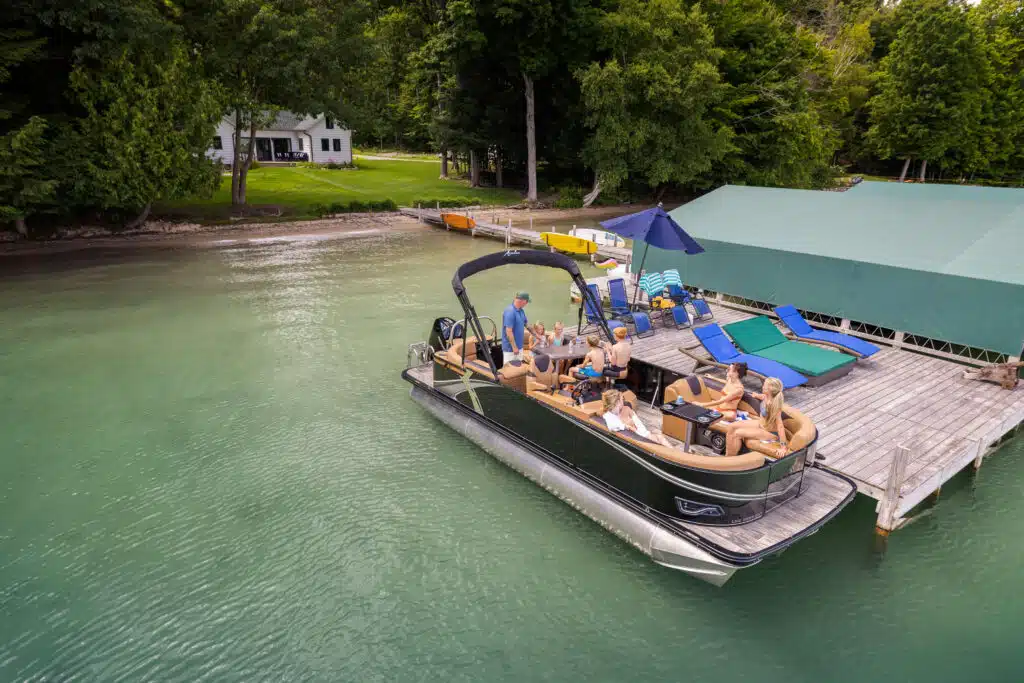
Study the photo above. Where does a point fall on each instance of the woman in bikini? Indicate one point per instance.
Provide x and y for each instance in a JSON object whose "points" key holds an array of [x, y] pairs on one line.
{"points": [[768, 428], [732, 393]]}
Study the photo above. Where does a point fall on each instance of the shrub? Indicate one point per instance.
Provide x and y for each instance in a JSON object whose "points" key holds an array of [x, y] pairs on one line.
{"points": [[569, 197], [450, 202], [354, 206], [337, 166]]}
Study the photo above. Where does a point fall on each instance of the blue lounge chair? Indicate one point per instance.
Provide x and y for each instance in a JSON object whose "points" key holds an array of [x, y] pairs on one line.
{"points": [[618, 299], [595, 315], [679, 317], [844, 342], [642, 324], [723, 353]]}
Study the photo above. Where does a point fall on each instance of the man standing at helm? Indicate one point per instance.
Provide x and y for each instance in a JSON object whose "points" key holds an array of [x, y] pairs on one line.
{"points": [[513, 326]]}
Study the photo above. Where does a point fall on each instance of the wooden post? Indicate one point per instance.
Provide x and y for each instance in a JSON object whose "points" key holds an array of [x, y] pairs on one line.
{"points": [[980, 456], [508, 234], [439, 205], [844, 324], [891, 500], [531, 223], [898, 341]]}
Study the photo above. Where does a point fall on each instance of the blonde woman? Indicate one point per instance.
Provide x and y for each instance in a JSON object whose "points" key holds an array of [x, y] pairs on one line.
{"points": [[768, 428], [619, 417]]}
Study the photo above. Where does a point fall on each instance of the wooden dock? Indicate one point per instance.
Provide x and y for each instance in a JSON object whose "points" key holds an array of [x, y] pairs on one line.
{"points": [[900, 425], [508, 234]]}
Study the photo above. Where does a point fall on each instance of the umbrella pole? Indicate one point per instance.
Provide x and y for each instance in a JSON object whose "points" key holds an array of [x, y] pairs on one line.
{"points": [[636, 290]]}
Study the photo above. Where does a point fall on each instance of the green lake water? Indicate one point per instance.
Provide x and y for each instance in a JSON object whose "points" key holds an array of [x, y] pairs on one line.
{"points": [[212, 471]]}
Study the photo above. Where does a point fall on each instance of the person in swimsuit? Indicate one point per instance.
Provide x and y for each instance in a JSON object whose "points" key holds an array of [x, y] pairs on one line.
{"points": [[593, 362], [768, 428], [540, 337], [618, 355], [558, 334], [618, 417], [732, 393]]}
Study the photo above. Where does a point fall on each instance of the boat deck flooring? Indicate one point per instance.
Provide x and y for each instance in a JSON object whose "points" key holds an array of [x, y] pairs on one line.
{"points": [[821, 493], [895, 398]]}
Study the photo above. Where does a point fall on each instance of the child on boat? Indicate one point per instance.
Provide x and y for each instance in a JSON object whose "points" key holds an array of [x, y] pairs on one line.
{"points": [[558, 333], [618, 355], [593, 362]]}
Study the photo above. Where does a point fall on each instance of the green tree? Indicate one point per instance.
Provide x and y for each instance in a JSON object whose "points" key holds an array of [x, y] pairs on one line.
{"points": [[25, 186], [932, 87], [647, 104], [1002, 125], [147, 124], [767, 64]]}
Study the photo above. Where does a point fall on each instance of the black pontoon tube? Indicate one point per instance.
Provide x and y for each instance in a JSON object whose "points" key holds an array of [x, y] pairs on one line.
{"points": [[532, 257]]}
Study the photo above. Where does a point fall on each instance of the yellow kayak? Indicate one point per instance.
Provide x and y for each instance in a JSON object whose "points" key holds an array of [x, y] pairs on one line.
{"points": [[456, 221], [568, 243]]}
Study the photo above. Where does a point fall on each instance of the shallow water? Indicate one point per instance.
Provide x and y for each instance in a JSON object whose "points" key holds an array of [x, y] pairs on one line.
{"points": [[213, 472]]}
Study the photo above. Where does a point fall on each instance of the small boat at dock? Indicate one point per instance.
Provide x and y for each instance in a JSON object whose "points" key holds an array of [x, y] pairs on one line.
{"points": [[687, 505], [457, 221], [568, 243]]}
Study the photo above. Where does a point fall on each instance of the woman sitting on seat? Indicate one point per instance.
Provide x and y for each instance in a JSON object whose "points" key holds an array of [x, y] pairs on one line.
{"points": [[593, 362], [732, 393], [768, 428], [618, 417]]}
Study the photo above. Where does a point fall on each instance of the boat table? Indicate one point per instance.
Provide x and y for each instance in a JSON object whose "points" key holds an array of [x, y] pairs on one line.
{"points": [[563, 355], [691, 414]]}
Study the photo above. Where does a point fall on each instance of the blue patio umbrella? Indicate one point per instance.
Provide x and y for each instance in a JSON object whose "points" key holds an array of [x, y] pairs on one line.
{"points": [[653, 226]]}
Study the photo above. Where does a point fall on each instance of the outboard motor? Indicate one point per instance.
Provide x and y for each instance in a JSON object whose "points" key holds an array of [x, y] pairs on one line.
{"points": [[440, 333]]}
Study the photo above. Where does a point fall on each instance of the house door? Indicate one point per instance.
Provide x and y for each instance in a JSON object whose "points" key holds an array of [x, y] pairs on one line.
{"points": [[281, 147], [263, 150]]}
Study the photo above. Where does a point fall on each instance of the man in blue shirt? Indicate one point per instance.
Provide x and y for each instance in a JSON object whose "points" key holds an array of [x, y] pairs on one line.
{"points": [[513, 325]]}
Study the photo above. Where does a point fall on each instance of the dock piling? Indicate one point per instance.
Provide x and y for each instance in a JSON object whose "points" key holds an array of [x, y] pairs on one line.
{"points": [[890, 502]]}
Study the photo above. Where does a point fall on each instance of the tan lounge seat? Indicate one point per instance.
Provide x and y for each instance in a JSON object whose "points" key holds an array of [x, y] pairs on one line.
{"points": [[800, 430]]}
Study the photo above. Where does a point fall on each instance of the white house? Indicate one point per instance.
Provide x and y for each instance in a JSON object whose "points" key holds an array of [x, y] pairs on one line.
{"points": [[289, 138]]}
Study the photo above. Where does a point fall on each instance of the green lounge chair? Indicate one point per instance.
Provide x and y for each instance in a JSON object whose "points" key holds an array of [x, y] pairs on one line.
{"points": [[759, 336]]}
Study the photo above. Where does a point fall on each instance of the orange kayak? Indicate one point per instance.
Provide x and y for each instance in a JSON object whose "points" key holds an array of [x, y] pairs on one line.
{"points": [[456, 221]]}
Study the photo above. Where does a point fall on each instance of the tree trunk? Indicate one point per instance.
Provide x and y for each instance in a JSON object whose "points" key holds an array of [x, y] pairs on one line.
{"points": [[140, 219], [444, 163], [474, 168], [498, 178], [531, 142], [594, 193], [19, 225], [236, 138], [243, 174], [906, 167], [924, 165]]}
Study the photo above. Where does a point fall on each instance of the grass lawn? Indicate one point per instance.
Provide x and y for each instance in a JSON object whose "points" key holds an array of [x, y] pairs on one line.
{"points": [[298, 190]]}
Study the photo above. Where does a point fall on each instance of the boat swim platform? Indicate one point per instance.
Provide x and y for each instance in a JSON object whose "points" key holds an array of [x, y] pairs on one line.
{"points": [[800, 516], [507, 233], [900, 424]]}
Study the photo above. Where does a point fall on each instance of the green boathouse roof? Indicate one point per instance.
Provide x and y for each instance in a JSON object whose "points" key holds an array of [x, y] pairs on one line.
{"points": [[943, 261]]}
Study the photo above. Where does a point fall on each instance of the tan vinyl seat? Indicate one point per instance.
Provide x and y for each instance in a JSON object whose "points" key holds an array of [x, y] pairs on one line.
{"points": [[800, 429]]}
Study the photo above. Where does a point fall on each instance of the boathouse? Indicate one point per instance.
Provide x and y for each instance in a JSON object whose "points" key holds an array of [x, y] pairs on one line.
{"points": [[936, 266]]}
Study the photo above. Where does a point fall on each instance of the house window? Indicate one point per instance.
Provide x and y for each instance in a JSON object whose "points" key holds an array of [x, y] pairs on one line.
{"points": [[300, 144], [329, 123], [337, 144], [217, 142], [325, 145]]}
